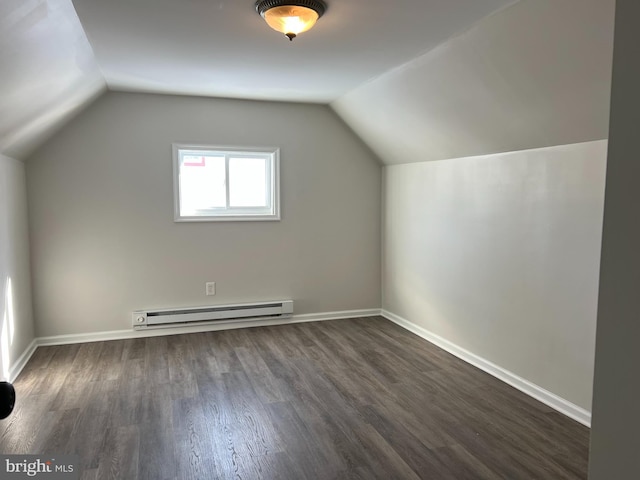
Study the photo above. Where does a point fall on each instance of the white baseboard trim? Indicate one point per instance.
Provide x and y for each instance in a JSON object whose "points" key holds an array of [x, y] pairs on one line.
{"points": [[563, 406], [317, 317], [548, 398], [130, 333], [17, 367], [125, 334]]}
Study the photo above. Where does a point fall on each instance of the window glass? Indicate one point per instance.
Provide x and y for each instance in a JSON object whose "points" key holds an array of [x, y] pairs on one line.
{"points": [[247, 182], [212, 184], [202, 183]]}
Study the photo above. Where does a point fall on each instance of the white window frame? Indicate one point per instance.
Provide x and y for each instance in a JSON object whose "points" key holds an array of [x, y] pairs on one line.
{"points": [[233, 214]]}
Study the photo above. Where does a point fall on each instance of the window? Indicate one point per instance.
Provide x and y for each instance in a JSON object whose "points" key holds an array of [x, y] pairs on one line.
{"points": [[214, 184]]}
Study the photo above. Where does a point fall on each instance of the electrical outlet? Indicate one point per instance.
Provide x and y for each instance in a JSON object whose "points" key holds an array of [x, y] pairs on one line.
{"points": [[210, 288]]}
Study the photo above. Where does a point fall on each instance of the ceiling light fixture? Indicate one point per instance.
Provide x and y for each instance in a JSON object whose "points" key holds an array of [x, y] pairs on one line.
{"points": [[291, 17]]}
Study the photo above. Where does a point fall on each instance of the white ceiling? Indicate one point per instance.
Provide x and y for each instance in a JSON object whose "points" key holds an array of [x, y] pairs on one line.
{"points": [[533, 75], [223, 48], [374, 61], [57, 56], [48, 71]]}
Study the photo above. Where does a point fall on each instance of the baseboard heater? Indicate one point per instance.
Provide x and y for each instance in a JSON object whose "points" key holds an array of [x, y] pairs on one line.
{"points": [[180, 317]]}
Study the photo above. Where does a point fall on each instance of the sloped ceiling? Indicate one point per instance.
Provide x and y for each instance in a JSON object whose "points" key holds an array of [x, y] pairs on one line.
{"points": [[534, 74], [223, 48], [199, 47], [48, 71]]}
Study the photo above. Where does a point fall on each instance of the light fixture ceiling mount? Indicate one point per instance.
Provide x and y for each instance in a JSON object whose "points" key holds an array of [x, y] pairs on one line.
{"points": [[291, 17]]}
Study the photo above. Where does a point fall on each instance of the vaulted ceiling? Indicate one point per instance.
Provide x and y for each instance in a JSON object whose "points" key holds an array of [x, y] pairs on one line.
{"points": [[56, 56], [223, 48], [533, 75], [440, 77], [48, 70]]}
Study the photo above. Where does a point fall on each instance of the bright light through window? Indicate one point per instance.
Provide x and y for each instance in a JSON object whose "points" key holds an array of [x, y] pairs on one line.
{"points": [[214, 184], [203, 186], [248, 182]]}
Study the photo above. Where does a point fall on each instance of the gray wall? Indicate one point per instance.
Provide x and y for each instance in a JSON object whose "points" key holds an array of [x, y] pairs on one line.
{"points": [[499, 255], [16, 319], [103, 238], [616, 417]]}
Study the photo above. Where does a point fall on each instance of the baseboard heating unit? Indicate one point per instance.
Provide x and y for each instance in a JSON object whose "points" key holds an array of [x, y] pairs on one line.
{"points": [[181, 317]]}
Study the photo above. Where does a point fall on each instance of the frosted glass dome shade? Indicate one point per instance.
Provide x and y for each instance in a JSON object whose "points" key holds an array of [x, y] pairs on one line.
{"points": [[291, 17]]}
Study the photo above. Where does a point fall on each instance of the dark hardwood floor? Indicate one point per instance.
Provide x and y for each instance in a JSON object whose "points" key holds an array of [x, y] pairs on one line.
{"points": [[345, 399]]}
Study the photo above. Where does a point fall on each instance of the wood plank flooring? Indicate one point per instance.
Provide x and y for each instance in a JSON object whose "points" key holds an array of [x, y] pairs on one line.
{"points": [[345, 399]]}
